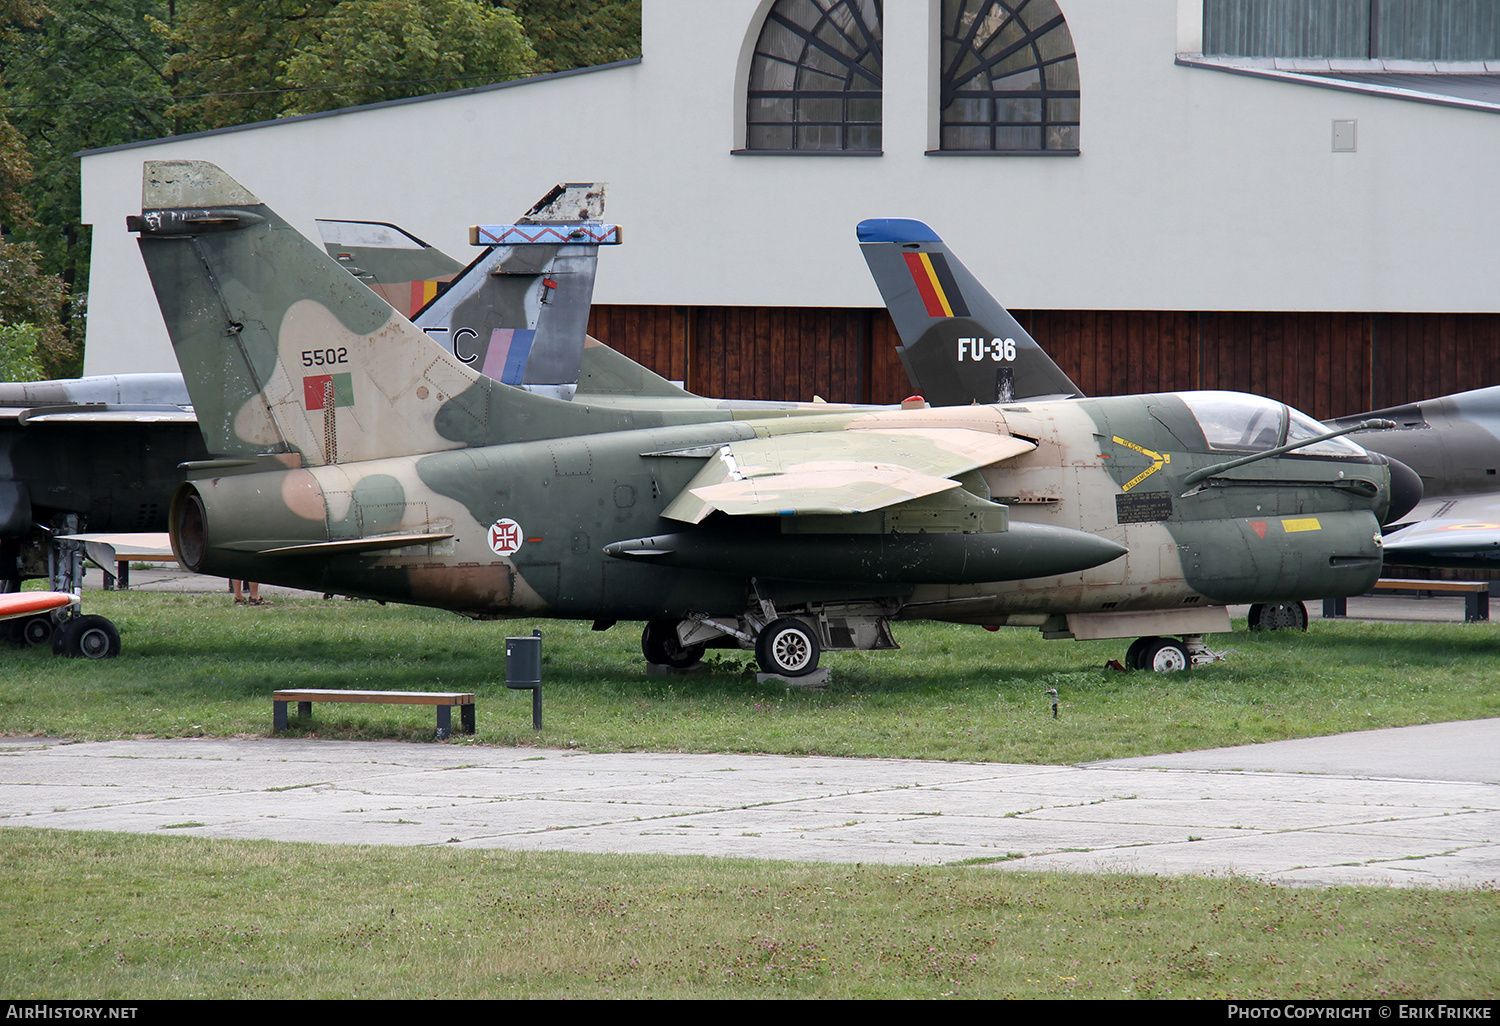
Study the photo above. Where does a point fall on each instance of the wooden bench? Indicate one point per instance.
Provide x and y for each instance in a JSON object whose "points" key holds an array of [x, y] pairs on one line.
{"points": [[1476, 596], [444, 700]]}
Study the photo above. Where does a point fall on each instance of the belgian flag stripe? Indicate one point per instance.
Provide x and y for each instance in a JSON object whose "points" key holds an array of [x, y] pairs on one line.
{"points": [[935, 283], [953, 296]]}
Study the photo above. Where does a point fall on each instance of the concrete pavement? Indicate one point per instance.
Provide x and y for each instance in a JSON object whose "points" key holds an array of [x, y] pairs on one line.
{"points": [[1408, 806]]}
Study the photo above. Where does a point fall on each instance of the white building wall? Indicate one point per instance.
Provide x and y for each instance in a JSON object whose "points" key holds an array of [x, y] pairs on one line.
{"points": [[1195, 190]]}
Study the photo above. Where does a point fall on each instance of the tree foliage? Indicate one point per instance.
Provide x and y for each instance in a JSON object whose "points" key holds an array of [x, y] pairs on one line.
{"points": [[581, 33], [19, 359], [32, 302], [366, 51], [86, 74]]}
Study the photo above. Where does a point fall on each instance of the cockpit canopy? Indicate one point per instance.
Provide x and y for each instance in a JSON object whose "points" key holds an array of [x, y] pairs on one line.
{"points": [[1236, 422]]}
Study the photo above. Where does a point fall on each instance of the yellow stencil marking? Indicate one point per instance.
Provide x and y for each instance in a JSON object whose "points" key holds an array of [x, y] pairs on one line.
{"points": [[1304, 524], [1158, 460]]}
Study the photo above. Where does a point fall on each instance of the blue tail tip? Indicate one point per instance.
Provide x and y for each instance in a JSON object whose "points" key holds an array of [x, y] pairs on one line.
{"points": [[895, 229]]}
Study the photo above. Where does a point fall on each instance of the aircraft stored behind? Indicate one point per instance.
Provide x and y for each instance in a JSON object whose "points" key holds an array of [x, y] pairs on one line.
{"points": [[1453, 442], [96, 454], [396, 472]]}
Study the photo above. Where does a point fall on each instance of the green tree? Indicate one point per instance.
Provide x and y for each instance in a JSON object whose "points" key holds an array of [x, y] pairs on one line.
{"points": [[367, 51], [31, 301], [85, 74], [229, 56], [571, 34], [19, 359], [91, 73]]}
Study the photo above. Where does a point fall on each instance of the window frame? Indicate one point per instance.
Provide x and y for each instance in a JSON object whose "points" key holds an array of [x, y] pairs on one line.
{"points": [[951, 32], [869, 41]]}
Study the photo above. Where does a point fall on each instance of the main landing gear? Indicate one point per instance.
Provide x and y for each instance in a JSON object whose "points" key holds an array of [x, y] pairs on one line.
{"points": [[660, 645], [1278, 616], [1168, 655], [788, 645], [86, 637]]}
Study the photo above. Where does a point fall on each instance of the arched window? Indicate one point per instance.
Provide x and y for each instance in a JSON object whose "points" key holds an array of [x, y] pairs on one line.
{"points": [[1009, 78], [815, 78]]}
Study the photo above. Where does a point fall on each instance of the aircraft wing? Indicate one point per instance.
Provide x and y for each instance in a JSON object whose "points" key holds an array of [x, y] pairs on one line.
{"points": [[1455, 532], [836, 472], [922, 527]]}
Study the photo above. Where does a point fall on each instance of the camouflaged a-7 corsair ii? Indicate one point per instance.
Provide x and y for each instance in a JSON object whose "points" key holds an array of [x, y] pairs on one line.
{"points": [[363, 459]]}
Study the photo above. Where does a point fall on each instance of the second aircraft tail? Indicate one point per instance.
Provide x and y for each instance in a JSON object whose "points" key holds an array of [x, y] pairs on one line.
{"points": [[283, 352], [959, 345]]}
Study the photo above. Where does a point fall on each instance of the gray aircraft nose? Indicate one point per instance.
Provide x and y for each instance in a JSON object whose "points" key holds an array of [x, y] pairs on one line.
{"points": [[1406, 490]]}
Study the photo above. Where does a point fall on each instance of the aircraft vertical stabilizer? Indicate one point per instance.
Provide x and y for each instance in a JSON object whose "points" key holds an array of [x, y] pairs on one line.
{"points": [[283, 352], [959, 345]]}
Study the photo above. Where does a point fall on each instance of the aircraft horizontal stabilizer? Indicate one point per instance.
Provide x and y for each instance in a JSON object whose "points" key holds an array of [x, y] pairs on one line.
{"points": [[105, 414], [836, 472], [596, 234], [351, 546]]}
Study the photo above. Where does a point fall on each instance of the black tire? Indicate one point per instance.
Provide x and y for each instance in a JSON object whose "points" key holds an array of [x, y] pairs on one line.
{"points": [[1165, 655], [788, 647], [1134, 654], [659, 645], [35, 630], [1278, 616], [88, 637]]}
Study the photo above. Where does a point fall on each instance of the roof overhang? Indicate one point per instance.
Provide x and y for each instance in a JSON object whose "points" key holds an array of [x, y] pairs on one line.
{"points": [[1471, 85]]}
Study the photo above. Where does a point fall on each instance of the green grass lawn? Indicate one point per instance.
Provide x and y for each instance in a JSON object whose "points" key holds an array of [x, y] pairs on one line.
{"points": [[109, 916], [194, 665], [127, 917]]}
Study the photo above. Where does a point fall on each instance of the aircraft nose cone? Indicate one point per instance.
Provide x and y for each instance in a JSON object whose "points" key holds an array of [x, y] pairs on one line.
{"points": [[1406, 490]]}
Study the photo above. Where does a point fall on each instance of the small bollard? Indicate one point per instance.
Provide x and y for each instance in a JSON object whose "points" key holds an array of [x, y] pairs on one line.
{"points": [[523, 671]]}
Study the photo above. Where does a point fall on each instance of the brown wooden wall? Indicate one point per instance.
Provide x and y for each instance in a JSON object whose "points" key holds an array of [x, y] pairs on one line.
{"points": [[1328, 364]]}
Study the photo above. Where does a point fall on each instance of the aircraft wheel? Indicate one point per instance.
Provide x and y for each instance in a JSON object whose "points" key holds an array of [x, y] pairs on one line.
{"points": [[1278, 616], [659, 645], [1135, 653], [36, 630], [91, 637], [1164, 655], [788, 647]]}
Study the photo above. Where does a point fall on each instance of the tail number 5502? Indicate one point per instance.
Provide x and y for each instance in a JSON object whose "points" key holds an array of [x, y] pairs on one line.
{"points": [[324, 357]]}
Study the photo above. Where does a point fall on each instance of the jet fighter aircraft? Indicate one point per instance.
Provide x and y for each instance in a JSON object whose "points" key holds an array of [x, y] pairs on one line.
{"points": [[389, 469], [1453, 442]]}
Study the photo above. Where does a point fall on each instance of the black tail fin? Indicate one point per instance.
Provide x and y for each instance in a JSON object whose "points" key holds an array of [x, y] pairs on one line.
{"points": [[959, 345]]}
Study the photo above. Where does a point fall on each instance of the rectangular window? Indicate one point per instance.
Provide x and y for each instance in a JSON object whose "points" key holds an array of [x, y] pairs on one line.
{"points": [[1425, 30]]}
